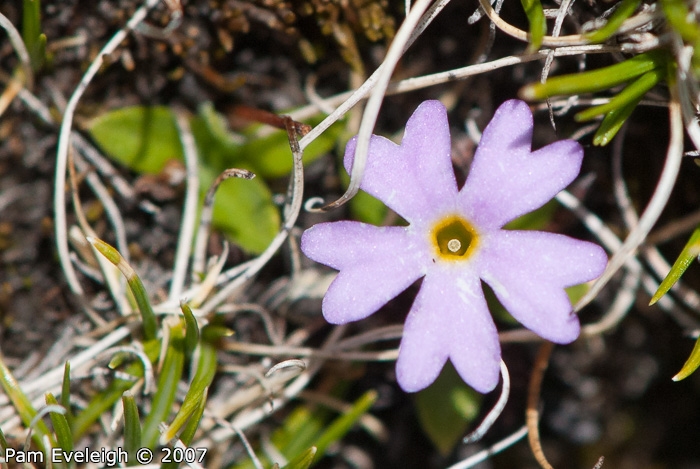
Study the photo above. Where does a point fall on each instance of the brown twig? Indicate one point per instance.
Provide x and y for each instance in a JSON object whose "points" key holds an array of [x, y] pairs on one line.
{"points": [[532, 414]]}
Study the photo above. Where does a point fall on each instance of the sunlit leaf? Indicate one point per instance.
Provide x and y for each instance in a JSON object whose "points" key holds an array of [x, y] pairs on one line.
{"points": [[142, 138], [34, 39], [446, 408], [691, 364], [689, 253]]}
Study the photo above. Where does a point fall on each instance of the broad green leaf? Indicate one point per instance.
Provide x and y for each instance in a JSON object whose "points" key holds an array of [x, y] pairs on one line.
{"points": [[23, 406], [142, 138], [631, 94], [164, 397], [535, 220], [596, 80], [132, 426], [268, 156], [689, 253], [243, 210], [624, 11], [64, 435], [538, 24], [446, 408], [368, 209]]}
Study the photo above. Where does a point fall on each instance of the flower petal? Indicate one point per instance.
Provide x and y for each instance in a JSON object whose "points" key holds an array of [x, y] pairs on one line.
{"points": [[449, 319], [413, 177], [506, 179], [528, 271], [376, 264]]}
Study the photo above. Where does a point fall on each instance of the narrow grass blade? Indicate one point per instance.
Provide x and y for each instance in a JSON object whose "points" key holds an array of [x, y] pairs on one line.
{"points": [[631, 94], [65, 392], [304, 460], [148, 317], [64, 434], [106, 399], [163, 398], [691, 364], [595, 80], [23, 406], [624, 11], [132, 426], [33, 38], [689, 253], [612, 122], [344, 423], [538, 24], [191, 330], [203, 377]]}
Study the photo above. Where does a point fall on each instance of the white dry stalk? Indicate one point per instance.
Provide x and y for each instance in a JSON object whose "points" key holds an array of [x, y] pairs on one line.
{"points": [[20, 49], [59, 197], [656, 205], [189, 210]]}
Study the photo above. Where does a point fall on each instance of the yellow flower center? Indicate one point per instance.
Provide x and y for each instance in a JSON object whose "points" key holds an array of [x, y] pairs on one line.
{"points": [[454, 238]]}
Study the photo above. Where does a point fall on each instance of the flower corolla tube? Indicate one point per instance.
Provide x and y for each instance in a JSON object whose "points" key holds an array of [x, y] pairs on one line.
{"points": [[455, 240]]}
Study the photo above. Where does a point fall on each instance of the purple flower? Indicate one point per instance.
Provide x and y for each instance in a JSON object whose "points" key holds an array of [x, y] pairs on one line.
{"points": [[455, 240]]}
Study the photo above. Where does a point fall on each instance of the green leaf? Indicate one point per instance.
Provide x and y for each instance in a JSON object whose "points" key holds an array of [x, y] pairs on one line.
{"points": [[596, 80], [132, 426], [612, 123], [689, 253], [203, 377], [632, 93], [243, 210], [624, 11], [164, 397], [65, 392], [538, 24], [34, 39], [446, 408], [535, 220], [343, 424], [148, 317], [23, 406], [304, 460], [191, 330], [64, 435], [368, 209], [115, 390], [691, 364], [142, 138], [268, 156]]}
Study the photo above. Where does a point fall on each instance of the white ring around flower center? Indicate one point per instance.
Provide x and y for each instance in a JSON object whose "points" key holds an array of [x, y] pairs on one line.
{"points": [[454, 245]]}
